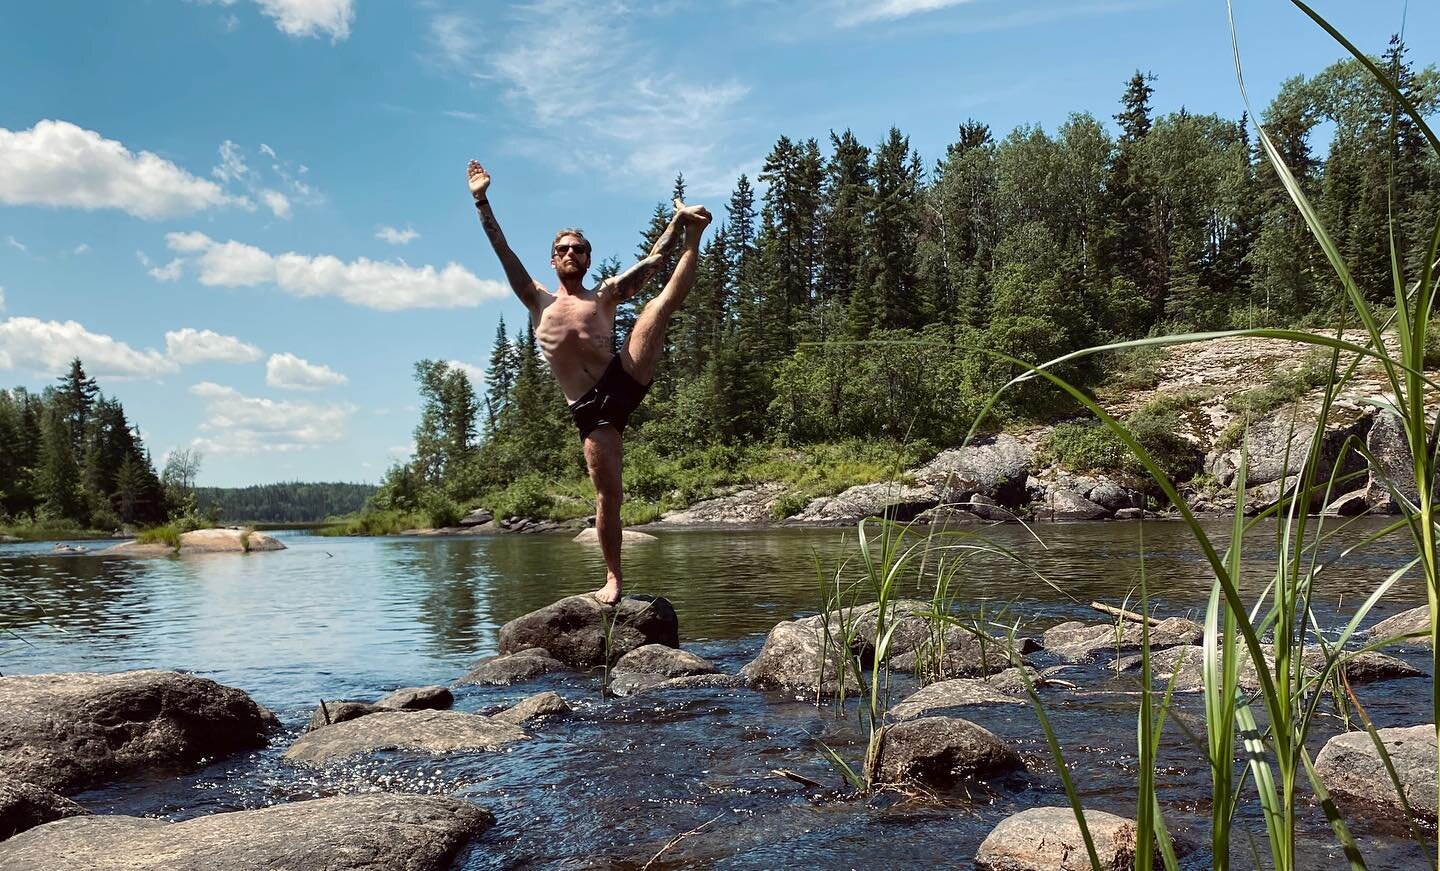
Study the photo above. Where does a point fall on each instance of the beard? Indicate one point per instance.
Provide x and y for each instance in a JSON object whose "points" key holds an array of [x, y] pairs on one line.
{"points": [[571, 270]]}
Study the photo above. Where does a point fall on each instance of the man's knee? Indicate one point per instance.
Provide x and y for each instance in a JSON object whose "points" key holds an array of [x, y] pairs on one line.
{"points": [[608, 500]]}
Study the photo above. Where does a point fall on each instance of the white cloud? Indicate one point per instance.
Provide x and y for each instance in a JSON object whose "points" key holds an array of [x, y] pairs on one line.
{"points": [[80, 249], [49, 346], [475, 373], [277, 202], [56, 163], [311, 17], [187, 346], [234, 170], [239, 424], [450, 36], [16, 244], [369, 283], [2, 299], [853, 13], [169, 272], [396, 237], [290, 372], [401, 452]]}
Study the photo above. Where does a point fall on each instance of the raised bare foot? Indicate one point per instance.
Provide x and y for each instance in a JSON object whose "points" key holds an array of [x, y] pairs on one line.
{"points": [[608, 594]]}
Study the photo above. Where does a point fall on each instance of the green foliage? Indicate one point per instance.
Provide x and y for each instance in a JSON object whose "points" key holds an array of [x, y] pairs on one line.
{"points": [[527, 496], [1093, 447], [374, 522]]}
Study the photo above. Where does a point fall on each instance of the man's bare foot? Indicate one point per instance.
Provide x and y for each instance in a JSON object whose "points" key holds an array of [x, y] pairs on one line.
{"points": [[608, 594]]}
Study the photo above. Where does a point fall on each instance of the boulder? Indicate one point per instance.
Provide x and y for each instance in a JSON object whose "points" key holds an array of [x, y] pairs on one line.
{"points": [[628, 683], [1079, 642], [701, 682], [938, 751], [1069, 505], [628, 536], [1049, 839], [996, 467], [1280, 443], [664, 661], [546, 704], [1392, 470], [223, 540], [1006, 688], [574, 629], [339, 711], [1351, 504], [1360, 668], [418, 699], [744, 506], [68, 732], [1350, 768], [374, 832], [424, 731], [962, 655], [792, 659], [1113, 497], [901, 502], [511, 668], [478, 517], [25, 806], [1363, 667], [1404, 623], [1129, 514]]}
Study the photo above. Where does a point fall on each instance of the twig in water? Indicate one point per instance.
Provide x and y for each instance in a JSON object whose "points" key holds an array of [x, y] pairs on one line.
{"points": [[326, 711], [1122, 613], [798, 778], [677, 839]]}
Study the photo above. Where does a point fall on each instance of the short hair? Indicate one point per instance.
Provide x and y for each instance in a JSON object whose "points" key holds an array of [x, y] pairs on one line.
{"points": [[571, 231]]}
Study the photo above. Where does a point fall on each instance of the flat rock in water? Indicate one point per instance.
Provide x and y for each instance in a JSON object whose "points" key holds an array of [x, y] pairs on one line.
{"points": [[628, 683], [377, 832], [1366, 667], [1081, 642], [1350, 768], [511, 668], [25, 806], [664, 661], [574, 630], [424, 731], [67, 732], [701, 682], [546, 704], [1049, 839], [896, 500], [1006, 688], [628, 536], [938, 751], [1404, 623], [431, 698], [224, 540], [791, 660], [340, 711]]}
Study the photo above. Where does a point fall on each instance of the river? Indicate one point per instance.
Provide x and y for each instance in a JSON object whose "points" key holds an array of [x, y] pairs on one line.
{"points": [[609, 787]]}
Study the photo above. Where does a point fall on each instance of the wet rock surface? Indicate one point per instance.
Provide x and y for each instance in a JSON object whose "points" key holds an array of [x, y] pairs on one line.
{"points": [[546, 704], [425, 698], [1078, 642], [423, 731], [574, 629], [938, 751], [792, 660], [1350, 768], [66, 732], [1006, 688], [339, 711], [370, 832], [25, 806], [1049, 839], [665, 661], [511, 668], [1404, 623]]}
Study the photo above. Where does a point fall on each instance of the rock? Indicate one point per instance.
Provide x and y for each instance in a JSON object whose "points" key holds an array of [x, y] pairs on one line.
{"points": [[1112, 497], [1049, 839], [1404, 623], [1364, 667], [938, 751], [574, 628], [25, 806], [1006, 688], [1280, 443], [546, 704], [425, 731], [963, 655], [1129, 514], [1069, 505], [1367, 667], [418, 699], [225, 540], [67, 732], [996, 468], [339, 711], [1350, 768], [628, 683], [628, 536], [1393, 470], [478, 517], [664, 661], [1351, 504], [791, 660], [512, 668], [890, 499], [750, 505], [1079, 642], [701, 682], [375, 832]]}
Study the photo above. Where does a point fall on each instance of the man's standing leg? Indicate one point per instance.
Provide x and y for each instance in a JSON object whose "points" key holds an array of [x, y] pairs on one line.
{"points": [[603, 459]]}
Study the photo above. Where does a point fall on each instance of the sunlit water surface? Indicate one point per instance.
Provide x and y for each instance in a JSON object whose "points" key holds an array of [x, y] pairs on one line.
{"points": [[612, 785]]}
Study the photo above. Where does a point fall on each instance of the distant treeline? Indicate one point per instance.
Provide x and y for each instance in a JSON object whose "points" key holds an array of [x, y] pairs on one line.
{"points": [[289, 502]]}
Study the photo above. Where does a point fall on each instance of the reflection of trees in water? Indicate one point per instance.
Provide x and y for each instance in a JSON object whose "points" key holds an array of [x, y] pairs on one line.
{"points": [[41, 597], [444, 578]]}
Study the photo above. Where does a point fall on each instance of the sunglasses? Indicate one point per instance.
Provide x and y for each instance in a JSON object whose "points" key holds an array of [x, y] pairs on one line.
{"points": [[560, 250]]}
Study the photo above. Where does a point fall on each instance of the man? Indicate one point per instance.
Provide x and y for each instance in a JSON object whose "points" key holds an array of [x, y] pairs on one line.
{"points": [[575, 329]]}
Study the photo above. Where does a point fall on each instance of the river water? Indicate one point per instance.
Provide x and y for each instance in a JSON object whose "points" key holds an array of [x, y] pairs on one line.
{"points": [[613, 784]]}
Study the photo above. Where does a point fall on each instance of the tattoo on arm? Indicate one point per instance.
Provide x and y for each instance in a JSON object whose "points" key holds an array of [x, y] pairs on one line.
{"points": [[629, 283], [520, 280]]}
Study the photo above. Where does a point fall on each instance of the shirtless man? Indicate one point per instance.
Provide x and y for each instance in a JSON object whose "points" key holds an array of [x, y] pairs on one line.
{"points": [[575, 327]]}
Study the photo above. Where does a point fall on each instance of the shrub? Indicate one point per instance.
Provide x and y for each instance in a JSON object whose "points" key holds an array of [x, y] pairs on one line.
{"points": [[439, 510], [527, 496]]}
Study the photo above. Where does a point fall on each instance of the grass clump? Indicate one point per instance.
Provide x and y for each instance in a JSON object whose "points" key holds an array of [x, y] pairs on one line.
{"points": [[373, 522], [1091, 446]]}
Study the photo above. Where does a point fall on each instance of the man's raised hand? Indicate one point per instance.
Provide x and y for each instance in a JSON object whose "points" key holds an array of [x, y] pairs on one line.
{"points": [[479, 180], [697, 215]]}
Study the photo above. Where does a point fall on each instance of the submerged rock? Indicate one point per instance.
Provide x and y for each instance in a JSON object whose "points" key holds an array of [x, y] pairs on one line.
{"points": [[419, 699], [511, 668], [629, 536], [546, 704], [25, 805], [1360, 668], [629, 683], [1049, 839], [1404, 623], [1006, 688], [1350, 768], [939, 751], [574, 629], [664, 661], [1079, 642], [796, 658], [377, 832], [425, 731], [67, 732]]}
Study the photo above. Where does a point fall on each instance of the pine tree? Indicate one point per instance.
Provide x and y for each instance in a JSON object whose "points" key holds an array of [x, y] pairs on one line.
{"points": [[499, 376], [1134, 232], [888, 293], [847, 195], [57, 480], [75, 398]]}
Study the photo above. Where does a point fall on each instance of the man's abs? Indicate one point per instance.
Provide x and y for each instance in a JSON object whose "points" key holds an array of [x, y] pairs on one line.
{"points": [[575, 334]]}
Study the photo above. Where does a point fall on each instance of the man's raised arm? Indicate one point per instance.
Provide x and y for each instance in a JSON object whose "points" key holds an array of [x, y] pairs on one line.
{"points": [[524, 286], [628, 283]]}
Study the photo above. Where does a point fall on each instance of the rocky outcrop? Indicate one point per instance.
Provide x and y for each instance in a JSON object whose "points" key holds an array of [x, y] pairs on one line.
{"points": [[67, 732], [25, 806], [423, 731], [511, 668], [226, 540], [478, 517], [1049, 839], [1405, 623], [427, 698], [581, 632], [796, 658], [663, 661], [1080, 642], [1068, 505], [1006, 688], [890, 499], [1350, 767], [938, 751], [1279, 446], [1393, 471], [628, 536], [377, 832], [749, 505], [994, 468], [546, 704]]}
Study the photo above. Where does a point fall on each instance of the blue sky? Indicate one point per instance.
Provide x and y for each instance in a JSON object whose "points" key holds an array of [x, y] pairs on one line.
{"points": [[249, 217]]}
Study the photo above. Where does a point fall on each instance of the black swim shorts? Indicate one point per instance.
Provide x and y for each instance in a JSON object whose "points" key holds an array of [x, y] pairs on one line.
{"points": [[611, 401]]}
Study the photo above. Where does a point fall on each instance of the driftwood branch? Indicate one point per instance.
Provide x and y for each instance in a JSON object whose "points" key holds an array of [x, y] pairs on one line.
{"points": [[677, 839], [798, 778], [1123, 614]]}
